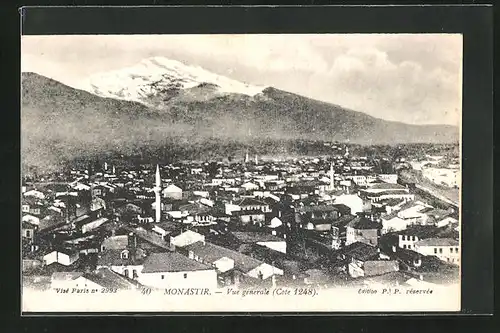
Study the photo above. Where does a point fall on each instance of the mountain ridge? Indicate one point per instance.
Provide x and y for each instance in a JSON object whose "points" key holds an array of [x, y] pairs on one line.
{"points": [[78, 122]]}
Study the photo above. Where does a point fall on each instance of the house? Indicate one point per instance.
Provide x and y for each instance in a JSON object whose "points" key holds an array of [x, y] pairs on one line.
{"points": [[186, 238], [410, 213], [31, 219], [362, 229], [173, 192], [388, 178], [174, 270], [93, 224], [446, 249], [251, 204], [392, 222], [408, 259], [261, 238], [372, 267], [353, 201], [393, 194], [28, 231], [127, 262], [277, 227], [35, 194], [252, 217], [101, 278], [388, 206], [339, 230], [385, 187], [197, 214], [408, 237], [63, 257], [97, 205], [360, 259], [305, 214], [249, 186], [226, 260], [317, 224], [115, 243], [51, 223]]}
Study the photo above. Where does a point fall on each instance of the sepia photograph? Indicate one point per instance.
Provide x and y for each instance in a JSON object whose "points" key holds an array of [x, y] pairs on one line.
{"points": [[241, 172]]}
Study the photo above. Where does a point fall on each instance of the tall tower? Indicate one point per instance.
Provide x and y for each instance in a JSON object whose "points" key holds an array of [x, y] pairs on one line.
{"points": [[114, 170], [157, 190], [331, 177], [256, 159], [346, 155], [246, 157]]}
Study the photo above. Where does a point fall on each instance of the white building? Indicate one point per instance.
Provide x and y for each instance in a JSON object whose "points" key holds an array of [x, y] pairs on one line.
{"points": [[173, 192], [34, 193], [187, 238], [63, 258], [353, 201], [446, 249], [389, 178], [173, 270]]}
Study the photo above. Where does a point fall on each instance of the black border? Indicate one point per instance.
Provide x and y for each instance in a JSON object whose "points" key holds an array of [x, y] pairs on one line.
{"points": [[474, 22]]}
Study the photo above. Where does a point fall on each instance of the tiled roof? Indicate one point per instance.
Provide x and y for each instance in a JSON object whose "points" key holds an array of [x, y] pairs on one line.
{"points": [[386, 186], [171, 262], [421, 231], [251, 202], [113, 258], [389, 192], [358, 250], [344, 209], [210, 253], [109, 279], [318, 208], [116, 242], [363, 223], [254, 237], [437, 242]]}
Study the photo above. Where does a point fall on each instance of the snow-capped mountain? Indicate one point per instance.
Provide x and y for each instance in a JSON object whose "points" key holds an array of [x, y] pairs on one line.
{"points": [[157, 75]]}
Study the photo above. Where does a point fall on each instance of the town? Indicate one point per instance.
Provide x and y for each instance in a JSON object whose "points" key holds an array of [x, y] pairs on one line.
{"points": [[335, 220]]}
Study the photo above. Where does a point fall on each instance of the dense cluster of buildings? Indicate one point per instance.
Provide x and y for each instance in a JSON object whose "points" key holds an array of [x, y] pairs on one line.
{"points": [[325, 222]]}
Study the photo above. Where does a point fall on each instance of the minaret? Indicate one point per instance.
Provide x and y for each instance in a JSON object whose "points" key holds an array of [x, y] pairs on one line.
{"points": [[331, 177], [114, 170], [256, 160], [246, 157], [157, 190], [105, 166], [346, 155]]}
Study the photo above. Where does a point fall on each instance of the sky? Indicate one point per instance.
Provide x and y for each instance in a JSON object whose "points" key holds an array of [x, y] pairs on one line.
{"points": [[415, 79]]}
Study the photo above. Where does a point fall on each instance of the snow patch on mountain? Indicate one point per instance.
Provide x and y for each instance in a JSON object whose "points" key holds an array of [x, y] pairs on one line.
{"points": [[156, 75]]}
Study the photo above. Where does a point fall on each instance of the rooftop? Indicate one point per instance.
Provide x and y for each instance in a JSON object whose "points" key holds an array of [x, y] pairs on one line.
{"points": [[171, 262], [251, 202], [363, 223], [437, 242], [358, 250], [254, 237], [210, 253]]}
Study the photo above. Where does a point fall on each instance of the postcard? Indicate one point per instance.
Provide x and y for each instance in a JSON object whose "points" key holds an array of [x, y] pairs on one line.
{"points": [[241, 173]]}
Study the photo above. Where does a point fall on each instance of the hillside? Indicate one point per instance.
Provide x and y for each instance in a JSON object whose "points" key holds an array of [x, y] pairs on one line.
{"points": [[60, 122]]}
